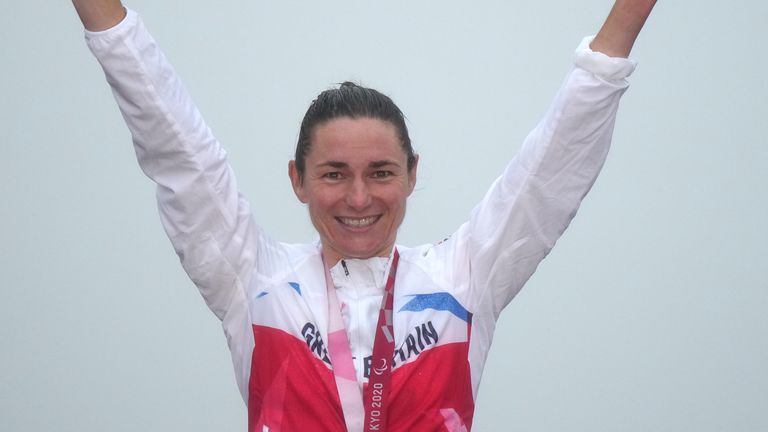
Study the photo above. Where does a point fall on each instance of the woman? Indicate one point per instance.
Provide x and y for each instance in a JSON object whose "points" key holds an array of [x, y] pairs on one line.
{"points": [[355, 333]]}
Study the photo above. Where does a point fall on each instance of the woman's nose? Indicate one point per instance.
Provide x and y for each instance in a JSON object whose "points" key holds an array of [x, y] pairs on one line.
{"points": [[358, 195]]}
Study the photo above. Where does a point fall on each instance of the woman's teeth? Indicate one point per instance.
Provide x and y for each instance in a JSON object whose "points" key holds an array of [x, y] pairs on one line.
{"points": [[361, 222]]}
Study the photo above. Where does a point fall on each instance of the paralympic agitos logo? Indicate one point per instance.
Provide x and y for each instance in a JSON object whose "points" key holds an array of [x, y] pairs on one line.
{"points": [[380, 370]]}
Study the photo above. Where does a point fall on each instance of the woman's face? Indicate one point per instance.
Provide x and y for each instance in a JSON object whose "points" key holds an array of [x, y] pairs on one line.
{"points": [[356, 183]]}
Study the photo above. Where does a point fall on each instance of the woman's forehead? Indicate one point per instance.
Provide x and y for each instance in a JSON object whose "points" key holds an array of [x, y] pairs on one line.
{"points": [[360, 140]]}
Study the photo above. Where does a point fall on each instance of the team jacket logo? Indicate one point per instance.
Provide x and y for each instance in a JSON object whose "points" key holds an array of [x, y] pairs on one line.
{"points": [[315, 342], [420, 338]]}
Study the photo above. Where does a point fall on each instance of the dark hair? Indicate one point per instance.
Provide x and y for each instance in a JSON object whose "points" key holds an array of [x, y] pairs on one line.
{"points": [[353, 101]]}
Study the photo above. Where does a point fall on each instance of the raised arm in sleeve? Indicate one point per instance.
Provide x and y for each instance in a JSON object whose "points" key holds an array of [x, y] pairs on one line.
{"points": [[529, 207], [205, 217]]}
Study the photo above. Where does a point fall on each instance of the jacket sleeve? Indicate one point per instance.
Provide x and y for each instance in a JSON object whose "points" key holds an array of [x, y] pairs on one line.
{"points": [[208, 222], [527, 209]]}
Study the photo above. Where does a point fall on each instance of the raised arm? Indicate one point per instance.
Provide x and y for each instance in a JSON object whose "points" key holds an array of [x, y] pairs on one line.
{"points": [[622, 26], [98, 15], [532, 203], [207, 220]]}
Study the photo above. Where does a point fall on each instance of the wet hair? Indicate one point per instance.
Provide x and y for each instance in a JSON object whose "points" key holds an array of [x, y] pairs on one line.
{"points": [[353, 101]]}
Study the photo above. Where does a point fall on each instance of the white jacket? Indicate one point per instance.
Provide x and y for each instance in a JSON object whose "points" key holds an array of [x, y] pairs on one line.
{"points": [[271, 296]]}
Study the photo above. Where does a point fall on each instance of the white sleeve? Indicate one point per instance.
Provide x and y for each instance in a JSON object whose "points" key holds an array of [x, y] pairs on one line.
{"points": [[208, 222], [527, 209]]}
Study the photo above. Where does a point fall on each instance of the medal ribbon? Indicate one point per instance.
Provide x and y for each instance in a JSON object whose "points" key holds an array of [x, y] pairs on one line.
{"points": [[363, 412]]}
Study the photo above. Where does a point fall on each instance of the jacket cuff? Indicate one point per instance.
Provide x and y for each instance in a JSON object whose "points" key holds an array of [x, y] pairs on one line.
{"points": [[608, 68], [94, 38]]}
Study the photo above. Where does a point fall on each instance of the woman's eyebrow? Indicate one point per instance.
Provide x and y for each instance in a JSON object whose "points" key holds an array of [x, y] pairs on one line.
{"points": [[382, 163], [333, 164]]}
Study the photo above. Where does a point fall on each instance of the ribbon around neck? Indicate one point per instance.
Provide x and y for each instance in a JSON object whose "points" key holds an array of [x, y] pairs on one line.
{"points": [[369, 411]]}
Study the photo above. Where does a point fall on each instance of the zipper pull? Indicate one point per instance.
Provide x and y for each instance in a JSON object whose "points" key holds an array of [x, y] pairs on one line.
{"points": [[346, 270]]}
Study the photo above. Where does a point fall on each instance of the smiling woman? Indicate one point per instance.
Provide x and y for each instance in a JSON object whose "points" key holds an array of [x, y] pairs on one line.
{"points": [[358, 333], [356, 182]]}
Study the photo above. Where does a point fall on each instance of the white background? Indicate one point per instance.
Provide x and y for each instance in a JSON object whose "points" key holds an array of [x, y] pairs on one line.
{"points": [[649, 315]]}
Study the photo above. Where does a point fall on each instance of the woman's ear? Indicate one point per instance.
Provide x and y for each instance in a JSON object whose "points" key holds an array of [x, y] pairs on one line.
{"points": [[412, 174], [296, 181]]}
